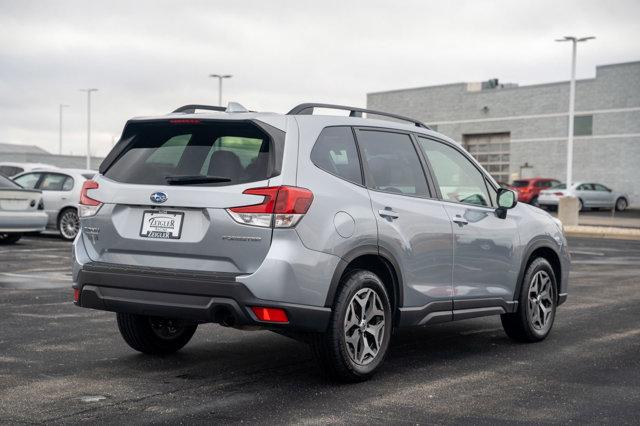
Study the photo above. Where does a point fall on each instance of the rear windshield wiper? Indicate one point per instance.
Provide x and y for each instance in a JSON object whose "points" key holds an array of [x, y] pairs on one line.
{"points": [[185, 180]]}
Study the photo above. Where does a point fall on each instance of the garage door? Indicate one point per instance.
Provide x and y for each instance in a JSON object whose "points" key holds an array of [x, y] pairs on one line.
{"points": [[492, 151]]}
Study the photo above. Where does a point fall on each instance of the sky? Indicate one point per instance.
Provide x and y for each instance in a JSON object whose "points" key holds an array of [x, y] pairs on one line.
{"points": [[149, 57]]}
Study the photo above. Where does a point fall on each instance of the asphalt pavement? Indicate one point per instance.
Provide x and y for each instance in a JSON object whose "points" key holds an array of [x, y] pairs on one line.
{"points": [[63, 364]]}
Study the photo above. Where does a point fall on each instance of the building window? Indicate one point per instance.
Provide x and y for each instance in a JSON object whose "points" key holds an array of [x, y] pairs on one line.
{"points": [[583, 125], [492, 152]]}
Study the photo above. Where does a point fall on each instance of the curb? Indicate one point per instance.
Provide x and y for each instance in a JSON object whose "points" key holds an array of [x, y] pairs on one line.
{"points": [[603, 232]]}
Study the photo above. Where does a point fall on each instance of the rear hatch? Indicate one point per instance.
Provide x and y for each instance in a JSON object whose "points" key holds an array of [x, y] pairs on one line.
{"points": [[165, 189]]}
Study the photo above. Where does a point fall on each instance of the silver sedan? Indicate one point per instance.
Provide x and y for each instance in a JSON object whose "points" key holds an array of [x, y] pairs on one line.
{"points": [[589, 195], [60, 194], [21, 211]]}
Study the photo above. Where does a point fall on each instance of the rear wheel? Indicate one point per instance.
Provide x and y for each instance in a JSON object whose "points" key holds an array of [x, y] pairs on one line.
{"points": [[153, 335], [537, 303], [621, 204], [580, 205], [11, 238], [357, 339], [69, 223]]}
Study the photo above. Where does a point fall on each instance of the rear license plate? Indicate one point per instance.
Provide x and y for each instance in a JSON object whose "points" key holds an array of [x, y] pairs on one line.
{"points": [[161, 224]]}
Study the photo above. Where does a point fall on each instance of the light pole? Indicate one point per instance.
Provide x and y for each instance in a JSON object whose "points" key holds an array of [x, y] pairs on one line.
{"points": [[220, 77], [60, 129], [88, 124], [572, 100]]}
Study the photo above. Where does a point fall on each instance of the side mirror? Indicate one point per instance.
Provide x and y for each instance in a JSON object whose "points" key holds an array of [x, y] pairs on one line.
{"points": [[506, 199]]}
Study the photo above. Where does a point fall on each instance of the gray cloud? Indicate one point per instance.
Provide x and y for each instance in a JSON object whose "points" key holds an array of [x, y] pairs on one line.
{"points": [[147, 57]]}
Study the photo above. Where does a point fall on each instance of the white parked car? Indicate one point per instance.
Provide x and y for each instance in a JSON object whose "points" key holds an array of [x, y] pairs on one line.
{"points": [[11, 169], [21, 210], [60, 194], [589, 195]]}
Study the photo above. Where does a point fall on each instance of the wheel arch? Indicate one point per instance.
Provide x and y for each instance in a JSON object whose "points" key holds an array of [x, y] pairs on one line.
{"points": [[546, 249], [377, 260]]}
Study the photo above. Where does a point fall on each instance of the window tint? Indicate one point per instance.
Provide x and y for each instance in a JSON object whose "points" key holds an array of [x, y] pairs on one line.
{"points": [[8, 183], [52, 182], [238, 151], [585, 187], [392, 163], [10, 170], [599, 187], [583, 125], [335, 152], [459, 180], [29, 180]]}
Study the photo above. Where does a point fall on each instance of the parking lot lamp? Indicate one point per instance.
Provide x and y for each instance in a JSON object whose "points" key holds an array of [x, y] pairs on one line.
{"points": [[572, 98], [88, 124], [220, 77], [61, 106]]}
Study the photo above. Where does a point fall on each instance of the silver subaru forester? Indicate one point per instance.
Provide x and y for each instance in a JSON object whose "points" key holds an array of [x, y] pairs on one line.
{"points": [[334, 230]]}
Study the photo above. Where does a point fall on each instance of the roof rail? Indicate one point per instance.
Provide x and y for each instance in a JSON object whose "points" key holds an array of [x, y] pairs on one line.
{"points": [[307, 109], [190, 109]]}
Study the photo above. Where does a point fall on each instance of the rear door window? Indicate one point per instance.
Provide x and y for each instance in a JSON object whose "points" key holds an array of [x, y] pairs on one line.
{"points": [[53, 182], [335, 152], [194, 152], [392, 162]]}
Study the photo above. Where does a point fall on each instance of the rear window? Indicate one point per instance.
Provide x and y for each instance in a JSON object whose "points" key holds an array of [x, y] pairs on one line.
{"points": [[520, 183], [193, 152], [10, 170], [8, 183]]}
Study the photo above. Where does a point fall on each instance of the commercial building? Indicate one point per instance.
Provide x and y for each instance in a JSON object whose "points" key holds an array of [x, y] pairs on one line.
{"points": [[521, 131]]}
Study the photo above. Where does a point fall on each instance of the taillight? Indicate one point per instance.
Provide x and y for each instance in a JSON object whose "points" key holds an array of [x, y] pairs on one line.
{"points": [[282, 207], [88, 206], [76, 295], [559, 194]]}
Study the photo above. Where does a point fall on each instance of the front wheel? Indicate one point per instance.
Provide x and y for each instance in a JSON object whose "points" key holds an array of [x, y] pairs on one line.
{"points": [[153, 335], [7, 238], [69, 223], [357, 338], [537, 303], [621, 204]]}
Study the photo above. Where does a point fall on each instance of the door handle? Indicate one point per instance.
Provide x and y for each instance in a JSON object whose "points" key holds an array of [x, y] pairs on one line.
{"points": [[388, 213], [460, 220]]}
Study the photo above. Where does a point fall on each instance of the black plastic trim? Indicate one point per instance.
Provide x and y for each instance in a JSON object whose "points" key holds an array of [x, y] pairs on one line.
{"points": [[192, 295], [190, 109]]}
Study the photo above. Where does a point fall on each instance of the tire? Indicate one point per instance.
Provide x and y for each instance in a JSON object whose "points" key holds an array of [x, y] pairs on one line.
{"points": [[534, 201], [154, 336], [621, 204], [533, 320], [345, 359], [9, 238], [68, 223], [580, 205]]}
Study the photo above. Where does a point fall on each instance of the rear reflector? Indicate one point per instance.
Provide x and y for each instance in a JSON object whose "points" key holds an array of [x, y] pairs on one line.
{"points": [[281, 207], [270, 314], [76, 295]]}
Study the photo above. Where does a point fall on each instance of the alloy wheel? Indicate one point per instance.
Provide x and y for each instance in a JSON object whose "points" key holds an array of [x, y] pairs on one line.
{"points": [[165, 328], [364, 326], [541, 299], [69, 224], [621, 204]]}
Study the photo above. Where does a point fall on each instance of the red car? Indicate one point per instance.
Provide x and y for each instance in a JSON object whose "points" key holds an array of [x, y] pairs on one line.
{"points": [[528, 189]]}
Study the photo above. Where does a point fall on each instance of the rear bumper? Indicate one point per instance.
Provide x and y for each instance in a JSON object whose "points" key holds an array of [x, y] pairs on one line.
{"points": [[13, 221], [189, 295]]}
